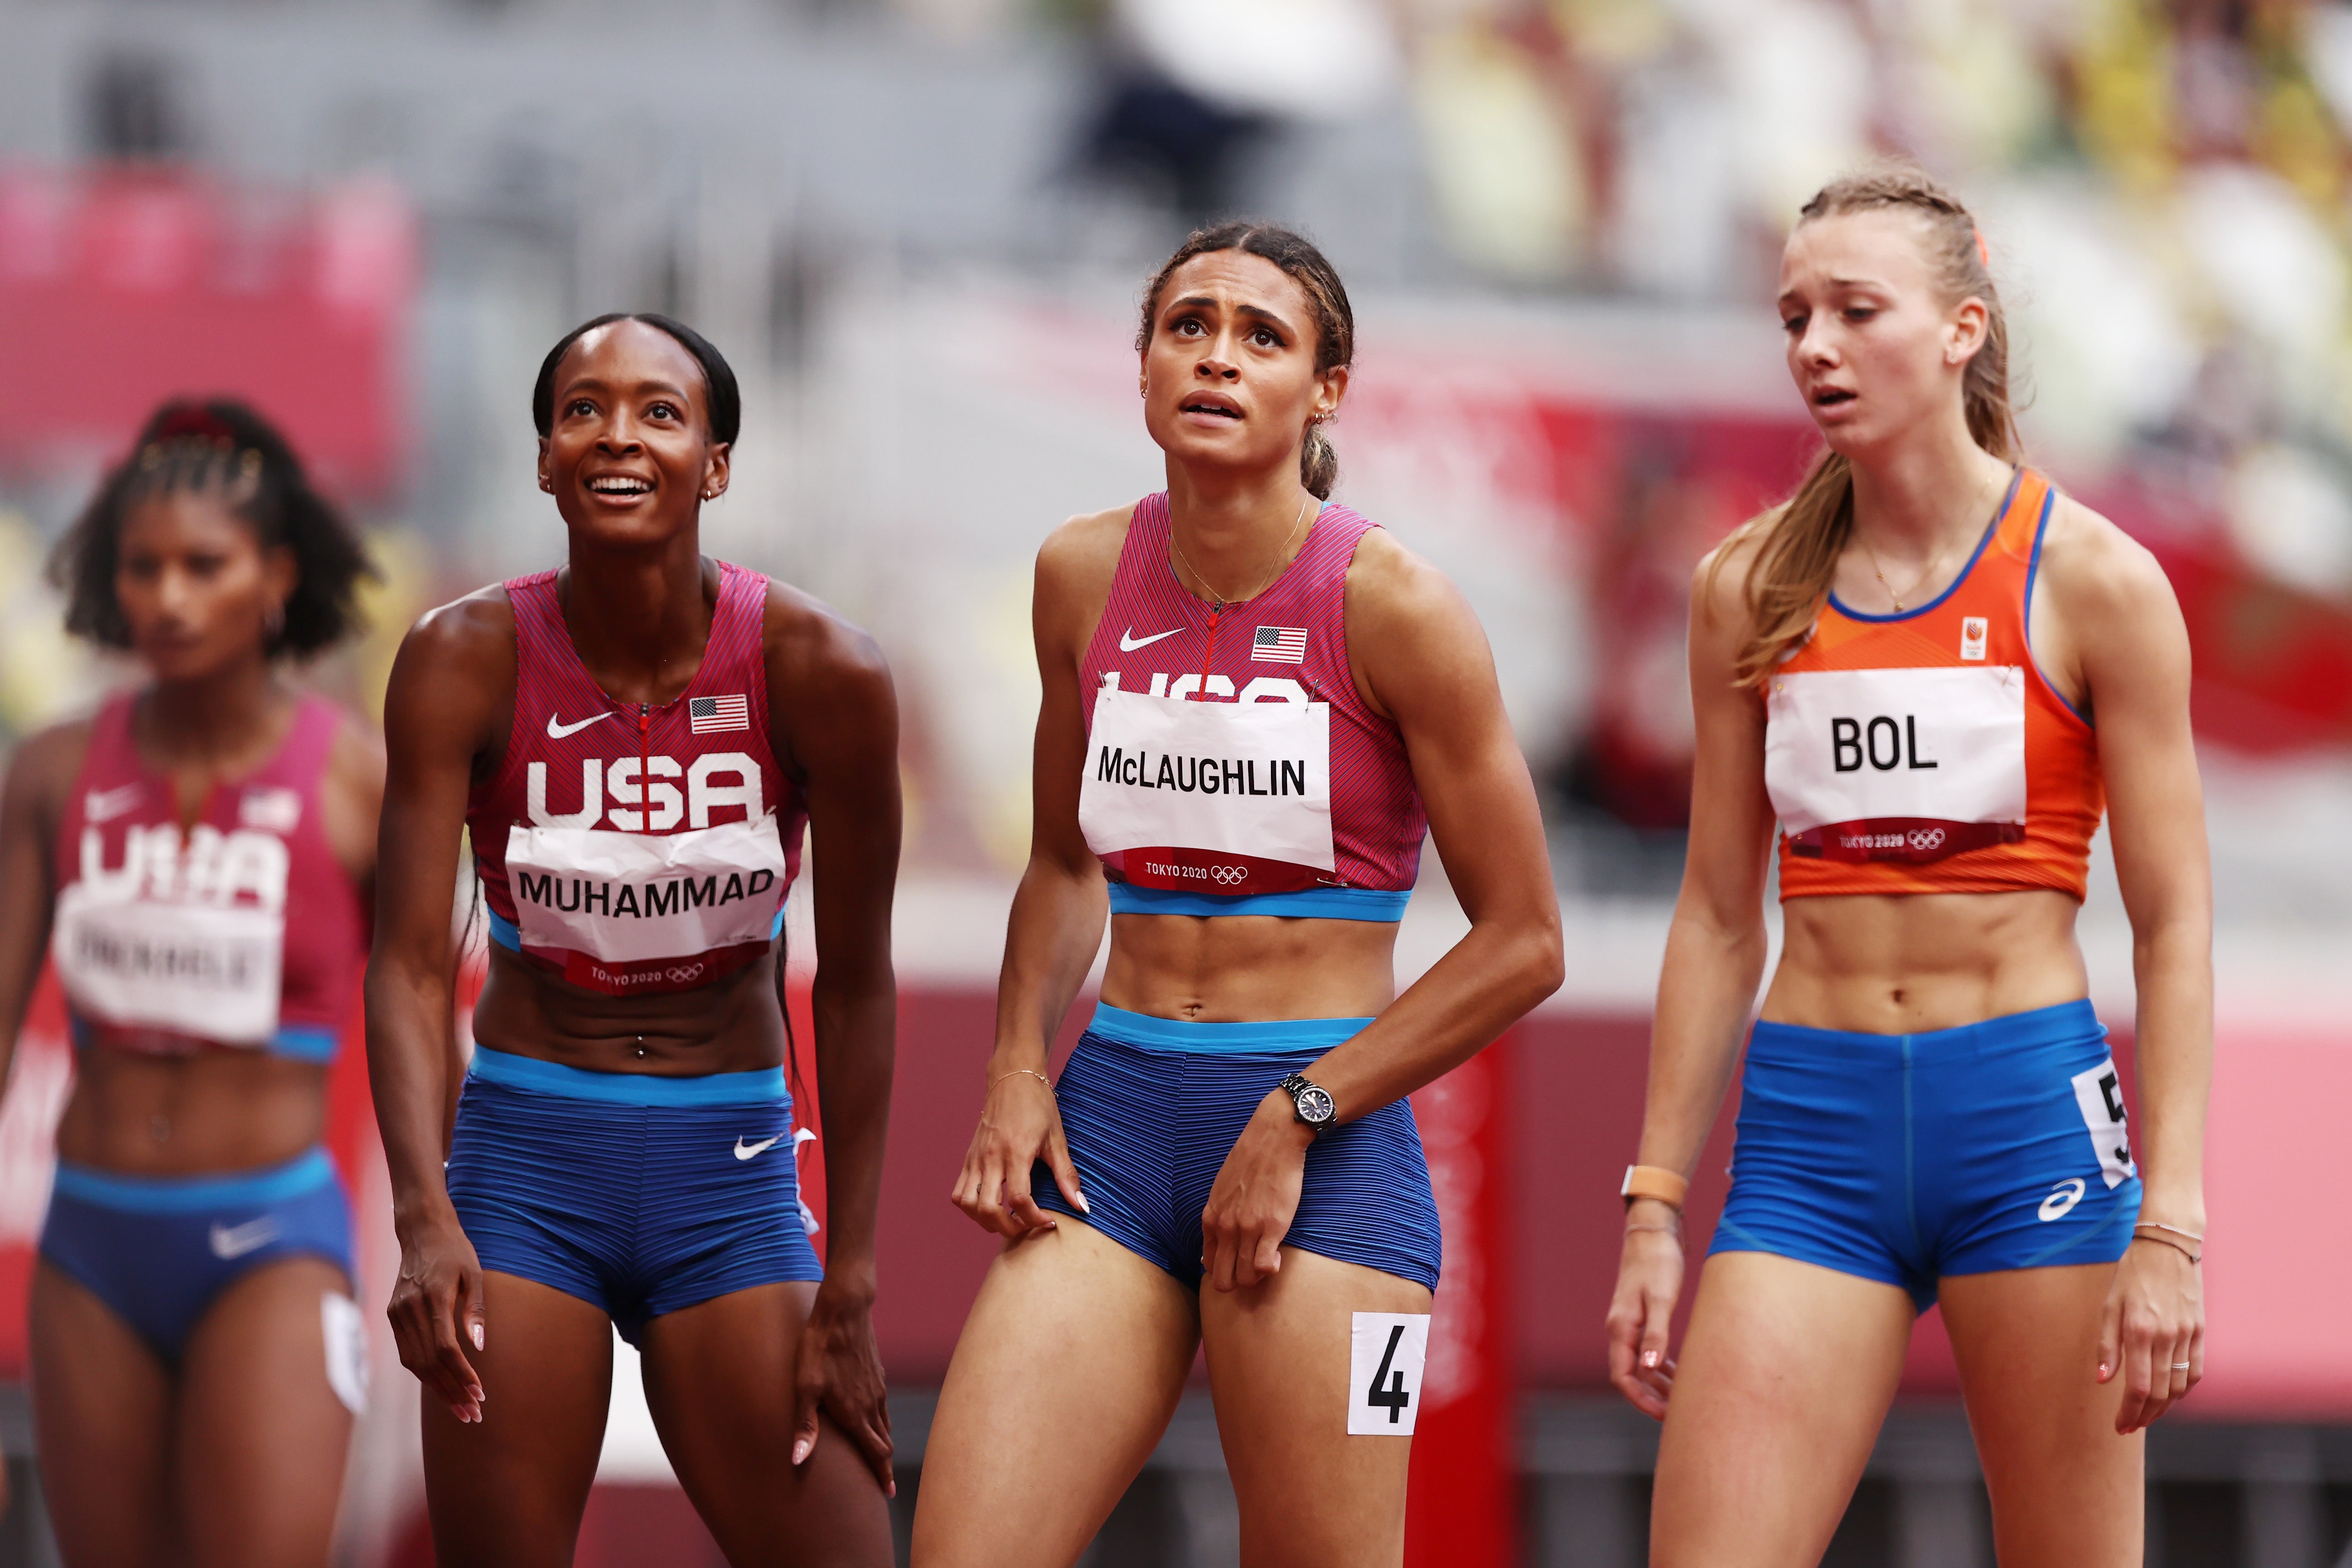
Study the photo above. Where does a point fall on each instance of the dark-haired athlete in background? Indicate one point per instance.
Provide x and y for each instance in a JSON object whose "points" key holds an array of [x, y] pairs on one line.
{"points": [[195, 859], [634, 742]]}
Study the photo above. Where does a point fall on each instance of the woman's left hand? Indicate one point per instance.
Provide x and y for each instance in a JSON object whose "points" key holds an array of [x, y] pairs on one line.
{"points": [[840, 1373], [1256, 1196], [2152, 1331]]}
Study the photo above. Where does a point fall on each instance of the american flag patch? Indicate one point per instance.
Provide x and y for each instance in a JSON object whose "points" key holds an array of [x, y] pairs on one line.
{"points": [[1279, 645], [707, 715]]}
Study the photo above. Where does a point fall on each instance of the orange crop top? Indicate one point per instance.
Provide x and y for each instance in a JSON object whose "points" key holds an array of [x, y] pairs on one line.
{"points": [[1925, 751]]}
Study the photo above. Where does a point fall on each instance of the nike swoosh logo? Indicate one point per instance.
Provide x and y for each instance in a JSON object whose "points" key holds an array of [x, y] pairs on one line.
{"points": [[102, 805], [1128, 642], [237, 1240], [744, 1150], [557, 731]]}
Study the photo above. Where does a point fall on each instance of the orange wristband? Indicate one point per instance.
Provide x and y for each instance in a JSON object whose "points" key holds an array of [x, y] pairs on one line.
{"points": [[1668, 1188]]}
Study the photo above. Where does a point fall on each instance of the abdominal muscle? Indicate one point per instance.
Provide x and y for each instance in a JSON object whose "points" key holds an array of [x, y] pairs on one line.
{"points": [[731, 1024], [1878, 963], [1249, 968], [209, 1110]]}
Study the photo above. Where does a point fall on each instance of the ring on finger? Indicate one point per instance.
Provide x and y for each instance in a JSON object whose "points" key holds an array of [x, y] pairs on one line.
{"points": [[2179, 1366]]}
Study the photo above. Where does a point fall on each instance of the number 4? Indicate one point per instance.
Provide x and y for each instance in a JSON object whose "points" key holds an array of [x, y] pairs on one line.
{"points": [[1391, 1398]]}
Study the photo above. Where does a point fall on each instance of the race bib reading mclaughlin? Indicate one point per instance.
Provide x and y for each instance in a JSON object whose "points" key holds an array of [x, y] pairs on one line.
{"points": [[1211, 796]]}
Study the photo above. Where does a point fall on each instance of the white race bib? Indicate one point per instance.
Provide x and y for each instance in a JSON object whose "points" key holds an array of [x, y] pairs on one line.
{"points": [[634, 897], [1900, 764], [206, 969], [1214, 796]]}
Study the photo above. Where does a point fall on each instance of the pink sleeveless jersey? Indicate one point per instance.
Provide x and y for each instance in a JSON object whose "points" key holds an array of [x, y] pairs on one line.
{"points": [[243, 930], [638, 849], [1231, 768]]}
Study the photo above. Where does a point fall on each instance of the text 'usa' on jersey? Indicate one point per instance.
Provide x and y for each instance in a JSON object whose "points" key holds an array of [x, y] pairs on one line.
{"points": [[1229, 752], [638, 848]]}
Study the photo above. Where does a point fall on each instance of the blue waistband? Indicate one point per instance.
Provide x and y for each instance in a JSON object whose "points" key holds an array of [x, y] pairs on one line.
{"points": [[304, 1174], [760, 1086], [300, 1042], [1311, 903], [2068, 1023], [506, 935], [1175, 1034]]}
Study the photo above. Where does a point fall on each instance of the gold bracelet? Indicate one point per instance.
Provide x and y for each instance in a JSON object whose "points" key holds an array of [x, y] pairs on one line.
{"points": [[2175, 1230], [1017, 1072], [2169, 1241]]}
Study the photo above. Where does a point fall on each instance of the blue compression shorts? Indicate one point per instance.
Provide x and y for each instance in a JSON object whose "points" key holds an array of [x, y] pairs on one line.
{"points": [[158, 1251], [1905, 1158], [1151, 1106], [638, 1194]]}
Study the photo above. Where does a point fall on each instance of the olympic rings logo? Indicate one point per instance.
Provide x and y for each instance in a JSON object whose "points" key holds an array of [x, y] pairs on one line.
{"points": [[1926, 838], [1229, 875], [680, 972]]}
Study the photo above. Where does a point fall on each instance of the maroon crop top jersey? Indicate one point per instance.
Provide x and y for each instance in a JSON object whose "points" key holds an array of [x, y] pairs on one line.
{"points": [[243, 930], [1232, 766], [629, 847]]}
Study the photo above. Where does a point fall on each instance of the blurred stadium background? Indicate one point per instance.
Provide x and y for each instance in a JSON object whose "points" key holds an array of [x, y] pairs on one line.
{"points": [[917, 227]]}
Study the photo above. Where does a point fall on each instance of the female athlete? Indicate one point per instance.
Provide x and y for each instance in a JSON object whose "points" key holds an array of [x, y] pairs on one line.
{"points": [[1254, 703], [1932, 669], [633, 743], [196, 860]]}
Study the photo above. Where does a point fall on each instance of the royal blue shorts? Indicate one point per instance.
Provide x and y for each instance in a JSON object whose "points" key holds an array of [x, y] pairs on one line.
{"points": [[157, 1251], [1151, 1106], [1906, 1157], [638, 1194]]}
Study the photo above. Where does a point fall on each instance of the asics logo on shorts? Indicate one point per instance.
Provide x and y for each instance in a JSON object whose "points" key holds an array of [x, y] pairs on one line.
{"points": [[744, 1150], [2063, 1197], [1926, 838], [1231, 875]]}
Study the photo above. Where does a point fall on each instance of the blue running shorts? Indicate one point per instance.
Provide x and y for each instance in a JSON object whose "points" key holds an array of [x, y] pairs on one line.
{"points": [[157, 1251], [1151, 1106], [1906, 1157], [638, 1194]]}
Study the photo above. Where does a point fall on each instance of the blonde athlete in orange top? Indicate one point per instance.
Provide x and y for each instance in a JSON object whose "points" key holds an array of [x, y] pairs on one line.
{"points": [[1933, 671]]}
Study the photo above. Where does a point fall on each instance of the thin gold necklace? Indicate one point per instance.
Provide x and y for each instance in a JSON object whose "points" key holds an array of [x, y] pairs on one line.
{"points": [[1880, 572], [1281, 560]]}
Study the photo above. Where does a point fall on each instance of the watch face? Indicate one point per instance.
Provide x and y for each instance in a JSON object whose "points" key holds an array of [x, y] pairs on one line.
{"points": [[1314, 1104]]}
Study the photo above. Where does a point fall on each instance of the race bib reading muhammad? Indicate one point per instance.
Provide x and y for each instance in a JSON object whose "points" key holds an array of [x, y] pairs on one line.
{"points": [[645, 911], [1210, 797], [1897, 765]]}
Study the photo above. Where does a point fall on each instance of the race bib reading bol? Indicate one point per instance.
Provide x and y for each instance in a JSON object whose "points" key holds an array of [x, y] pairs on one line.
{"points": [[1210, 797], [1897, 765]]}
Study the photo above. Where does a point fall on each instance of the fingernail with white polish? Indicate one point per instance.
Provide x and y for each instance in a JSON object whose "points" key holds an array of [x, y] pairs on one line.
{"points": [[800, 1450], [1083, 1208], [476, 1331]]}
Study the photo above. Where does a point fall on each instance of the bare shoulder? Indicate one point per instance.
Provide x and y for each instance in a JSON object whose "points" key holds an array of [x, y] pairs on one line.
{"points": [[2089, 565], [1392, 588], [1083, 553], [355, 760], [464, 636], [1719, 585], [810, 641], [45, 764]]}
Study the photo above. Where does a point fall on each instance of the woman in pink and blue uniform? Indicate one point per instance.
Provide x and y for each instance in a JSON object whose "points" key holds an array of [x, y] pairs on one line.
{"points": [[1255, 704], [196, 860], [634, 744]]}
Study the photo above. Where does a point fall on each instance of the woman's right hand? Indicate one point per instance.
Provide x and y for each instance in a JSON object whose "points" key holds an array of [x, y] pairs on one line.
{"points": [[440, 1287], [1019, 1125], [1641, 1315]]}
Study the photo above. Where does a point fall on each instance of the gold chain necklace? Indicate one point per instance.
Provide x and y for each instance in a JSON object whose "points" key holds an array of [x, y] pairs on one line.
{"points": [[1281, 560], [1879, 571]]}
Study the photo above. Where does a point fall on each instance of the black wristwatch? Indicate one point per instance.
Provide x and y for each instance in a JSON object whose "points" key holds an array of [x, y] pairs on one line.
{"points": [[1311, 1102]]}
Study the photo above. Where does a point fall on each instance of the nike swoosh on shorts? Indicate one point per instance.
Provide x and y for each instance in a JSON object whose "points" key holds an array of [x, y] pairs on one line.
{"points": [[1128, 642], [230, 1241], [557, 731], [753, 1151]]}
